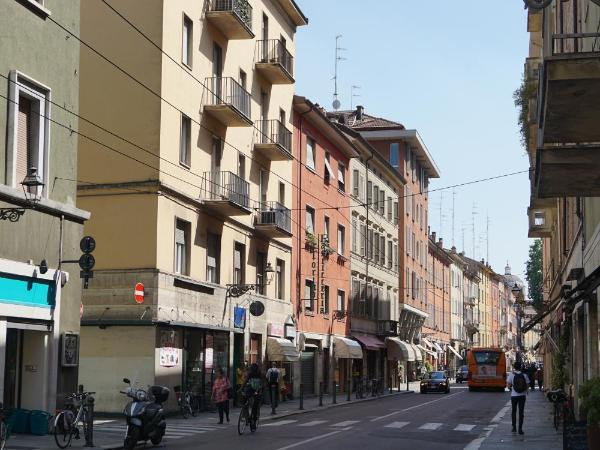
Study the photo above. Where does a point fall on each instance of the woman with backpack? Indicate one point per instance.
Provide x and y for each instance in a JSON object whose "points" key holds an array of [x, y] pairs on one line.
{"points": [[518, 383]]}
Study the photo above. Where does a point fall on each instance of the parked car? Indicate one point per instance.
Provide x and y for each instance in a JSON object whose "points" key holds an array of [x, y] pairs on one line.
{"points": [[462, 373], [436, 382]]}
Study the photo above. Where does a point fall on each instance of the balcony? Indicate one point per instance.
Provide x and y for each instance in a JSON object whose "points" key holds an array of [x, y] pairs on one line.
{"points": [[233, 18], [227, 101], [274, 62], [274, 220], [274, 140], [387, 328], [225, 193]]}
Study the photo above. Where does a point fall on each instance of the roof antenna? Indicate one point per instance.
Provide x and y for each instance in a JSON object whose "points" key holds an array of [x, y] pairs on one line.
{"points": [[352, 95], [336, 103]]}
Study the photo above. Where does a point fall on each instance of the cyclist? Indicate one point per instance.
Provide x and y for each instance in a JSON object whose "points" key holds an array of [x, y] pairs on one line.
{"points": [[253, 389]]}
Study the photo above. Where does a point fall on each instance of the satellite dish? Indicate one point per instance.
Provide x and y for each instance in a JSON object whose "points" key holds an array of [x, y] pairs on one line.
{"points": [[336, 104]]}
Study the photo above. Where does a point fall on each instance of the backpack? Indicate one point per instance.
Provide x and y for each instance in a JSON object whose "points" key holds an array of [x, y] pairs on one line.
{"points": [[519, 383], [273, 375]]}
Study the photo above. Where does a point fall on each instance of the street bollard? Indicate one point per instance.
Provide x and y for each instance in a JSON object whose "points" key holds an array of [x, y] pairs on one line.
{"points": [[334, 393], [89, 417], [348, 394], [301, 396], [321, 393]]}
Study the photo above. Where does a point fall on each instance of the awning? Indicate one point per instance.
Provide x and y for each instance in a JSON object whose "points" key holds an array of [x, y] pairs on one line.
{"points": [[427, 343], [399, 350], [279, 349], [455, 352], [329, 169], [346, 348], [429, 352], [418, 354], [438, 348], [370, 342]]}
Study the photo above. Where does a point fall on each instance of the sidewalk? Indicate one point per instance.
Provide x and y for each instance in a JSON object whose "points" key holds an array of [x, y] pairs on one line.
{"points": [[538, 427], [109, 433]]}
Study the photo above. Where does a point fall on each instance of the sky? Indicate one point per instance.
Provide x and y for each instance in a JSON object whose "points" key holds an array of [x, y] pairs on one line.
{"points": [[447, 69]]}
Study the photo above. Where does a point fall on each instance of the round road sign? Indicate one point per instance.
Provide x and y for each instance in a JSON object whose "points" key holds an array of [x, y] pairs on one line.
{"points": [[87, 244], [257, 308], [138, 293], [87, 261]]}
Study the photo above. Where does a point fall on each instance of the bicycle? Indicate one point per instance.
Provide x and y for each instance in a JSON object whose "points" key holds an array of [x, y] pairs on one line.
{"points": [[562, 408], [188, 402], [249, 415], [66, 423], [3, 429], [359, 391]]}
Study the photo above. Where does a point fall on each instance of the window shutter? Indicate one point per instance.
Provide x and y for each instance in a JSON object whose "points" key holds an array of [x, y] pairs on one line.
{"points": [[361, 188], [180, 234], [237, 259], [355, 184], [24, 139]]}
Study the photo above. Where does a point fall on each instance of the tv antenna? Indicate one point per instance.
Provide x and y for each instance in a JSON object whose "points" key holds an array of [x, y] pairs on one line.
{"points": [[336, 103], [453, 216], [352, 95], [473, 214]]}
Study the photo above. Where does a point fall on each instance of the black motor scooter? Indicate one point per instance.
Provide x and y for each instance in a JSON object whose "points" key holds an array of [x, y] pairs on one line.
{"points": [[144, 414]]}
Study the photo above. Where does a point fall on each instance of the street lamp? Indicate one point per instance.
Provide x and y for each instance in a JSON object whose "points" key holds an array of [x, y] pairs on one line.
{"points": [[518, 292], [33, 188]]}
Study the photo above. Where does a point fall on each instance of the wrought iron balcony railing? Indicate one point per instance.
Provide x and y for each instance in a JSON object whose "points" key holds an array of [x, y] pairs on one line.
{"points": [[387, 328], [274, 132], [225, 91], [226, 186], [241, 9], [273, 51], [276, 215]]}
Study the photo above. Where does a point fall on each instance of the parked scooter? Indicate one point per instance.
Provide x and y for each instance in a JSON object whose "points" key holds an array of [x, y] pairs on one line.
{"points": [[144, 414]]}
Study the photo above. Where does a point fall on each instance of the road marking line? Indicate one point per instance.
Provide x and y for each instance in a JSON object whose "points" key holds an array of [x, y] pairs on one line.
{"points": [[313, 423], [297, 444], [475, 444], [345, 423], [430, 426], [413, 407], [464, 427], [397, 425], [169, 434], [278, 423]]}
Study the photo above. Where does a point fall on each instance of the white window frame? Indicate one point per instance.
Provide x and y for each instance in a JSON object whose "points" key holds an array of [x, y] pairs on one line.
{"points": [[185, 134], [341, 239], [21, 84], [311, 150], [310, 226], [341, 177], [187, 41]]}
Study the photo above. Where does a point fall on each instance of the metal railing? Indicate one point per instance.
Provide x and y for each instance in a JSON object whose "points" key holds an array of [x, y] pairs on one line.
{"points": [[241, 8], [274, 51], [571, 43], [274, 213], [274, 132], [387, 328], [225, 186], [227, 91]]}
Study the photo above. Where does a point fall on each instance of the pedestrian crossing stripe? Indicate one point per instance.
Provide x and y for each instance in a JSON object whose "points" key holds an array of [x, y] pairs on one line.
{"points": [[397, 425], [346, 423], [464, 427], [430, 426], [313, 423], [278, 423]]}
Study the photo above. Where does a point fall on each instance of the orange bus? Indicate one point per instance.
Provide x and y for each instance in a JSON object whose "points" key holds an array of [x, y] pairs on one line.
{"points": [[487, 368]]}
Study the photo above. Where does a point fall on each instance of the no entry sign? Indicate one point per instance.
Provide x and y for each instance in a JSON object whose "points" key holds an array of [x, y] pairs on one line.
{"points": [[138, 294]]}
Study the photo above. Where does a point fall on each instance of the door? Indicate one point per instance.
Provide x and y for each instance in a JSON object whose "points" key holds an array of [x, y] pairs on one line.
{"points": [[215, 182], [12, 370], [307, 361], [265, 38], [217, 72]]}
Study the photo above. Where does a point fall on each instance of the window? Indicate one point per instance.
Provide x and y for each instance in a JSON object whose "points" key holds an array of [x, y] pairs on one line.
{"points": [[395, 213], [369, 193], [395, 156], [341, 240], [370, 244], [408, 200], [261, 264], [375, 198], [188, 41], [263, 181], [325, 300], [376, 250], [382, 250], [328, 171], [389, 254], [281, 193], [310, 220], [309, 295], [341, 300], [241, 166], [213, 258], [243, 79], [341, 177], [361, 188], [239, 267], [355, 183], [326, 227], [389, 208], [363, 238], [280, 279], [311, 146], [414, 244], [396, 258], [182, 242], [408, 244], [415, 285], [382, 202], [407, 287], [354, 235], [29, 121], [407, 159]]}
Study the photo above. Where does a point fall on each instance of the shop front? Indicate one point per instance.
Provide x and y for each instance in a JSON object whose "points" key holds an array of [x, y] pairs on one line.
{"points": [[374, 357], [348, 355], [400, 355]]}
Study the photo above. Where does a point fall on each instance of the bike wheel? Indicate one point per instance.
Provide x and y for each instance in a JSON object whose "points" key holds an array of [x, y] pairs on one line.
{"points": [[3, 434], [243, 420], [62, 435], [132, 438], [185, 411]]}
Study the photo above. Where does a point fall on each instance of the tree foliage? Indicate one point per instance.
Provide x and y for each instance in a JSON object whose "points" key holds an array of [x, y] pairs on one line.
{"points": [[521, 97], [534, 274]]}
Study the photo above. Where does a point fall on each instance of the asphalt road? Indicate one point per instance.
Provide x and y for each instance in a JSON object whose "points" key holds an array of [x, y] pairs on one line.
{"points": [[413, 421]]}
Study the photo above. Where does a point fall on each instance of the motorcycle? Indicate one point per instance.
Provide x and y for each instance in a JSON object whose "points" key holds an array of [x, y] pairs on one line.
{"points": [[144, 414]]}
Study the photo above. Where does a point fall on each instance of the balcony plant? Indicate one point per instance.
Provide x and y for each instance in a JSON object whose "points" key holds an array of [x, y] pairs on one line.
{"points": [[589, 393], [311, 239], [326, 248]]}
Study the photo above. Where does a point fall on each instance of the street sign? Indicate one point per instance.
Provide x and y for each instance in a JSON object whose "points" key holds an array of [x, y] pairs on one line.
{"points": [[257, 308], [87, 244], [138, 293], [87, 261]]}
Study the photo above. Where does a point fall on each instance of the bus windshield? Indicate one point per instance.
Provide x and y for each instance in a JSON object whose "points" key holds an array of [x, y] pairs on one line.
{"points": [[488, 358]]}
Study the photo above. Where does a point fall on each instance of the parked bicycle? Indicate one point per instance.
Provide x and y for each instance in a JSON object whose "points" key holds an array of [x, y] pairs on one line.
{"points": [[250, 412], [189, 403], [3, 429], [66, 423], [562, 407], [359, 388]]}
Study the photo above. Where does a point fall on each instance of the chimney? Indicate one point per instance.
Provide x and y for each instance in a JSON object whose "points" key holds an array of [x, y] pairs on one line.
{"points": [[428, 230], [433, 236], [441, 242], [453, 249], [359, 112]]}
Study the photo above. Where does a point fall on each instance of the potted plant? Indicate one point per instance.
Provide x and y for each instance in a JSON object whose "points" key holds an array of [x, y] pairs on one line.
{"points": [[326, 248], [589, 393], [311, 240]]}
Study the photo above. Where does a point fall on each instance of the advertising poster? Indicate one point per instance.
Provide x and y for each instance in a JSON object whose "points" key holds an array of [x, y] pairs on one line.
{"points": [[486, 371], [169, 356]]}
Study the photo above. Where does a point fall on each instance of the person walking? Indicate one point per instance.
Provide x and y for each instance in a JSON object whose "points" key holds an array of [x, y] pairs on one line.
{"points": [[273, 377], [518, 384], [220, 394]]}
